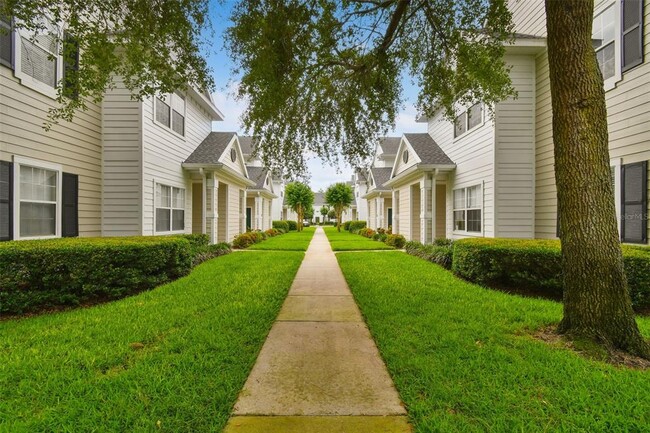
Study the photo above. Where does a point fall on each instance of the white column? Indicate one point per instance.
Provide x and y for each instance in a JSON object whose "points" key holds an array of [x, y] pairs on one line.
{"points": [[425, 194], [242, 211], [258, 212], [212, 206], [380, 211], [395, 195], [433, 204]]}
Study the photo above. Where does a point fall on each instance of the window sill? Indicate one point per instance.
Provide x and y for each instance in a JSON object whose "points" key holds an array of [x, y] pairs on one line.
{"points": [[36, 85], [170, 233], [469, 234], [34, 238]]}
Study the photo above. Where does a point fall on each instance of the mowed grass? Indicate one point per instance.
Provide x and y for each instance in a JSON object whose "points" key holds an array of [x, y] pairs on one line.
{"points": [[172, 359], [346, 241], [463, 357], [292, 241]]}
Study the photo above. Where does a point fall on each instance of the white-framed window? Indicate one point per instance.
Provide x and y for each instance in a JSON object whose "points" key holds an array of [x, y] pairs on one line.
{"points": [[170, 209], [468, 209], [469, 119], [169, 111], [37, 199], [604, 33]]}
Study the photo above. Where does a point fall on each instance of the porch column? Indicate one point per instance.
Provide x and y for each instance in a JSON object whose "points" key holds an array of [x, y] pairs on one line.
{"points": [[395, 194], [433, 204], [258, 212], [380, 211], [242, 211], [425, 209], [212, 217]]}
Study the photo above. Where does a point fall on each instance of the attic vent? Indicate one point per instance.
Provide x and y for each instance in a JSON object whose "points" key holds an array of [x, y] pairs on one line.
{"points": [[405, 156], [233, 155]]}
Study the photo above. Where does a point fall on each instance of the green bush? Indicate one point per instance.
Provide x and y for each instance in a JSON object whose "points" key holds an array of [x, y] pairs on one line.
{"points": [[281, 225], [355, 226], [380, 237], [245, 240], [292, 225], [366, 232], [438, 252], [272, 232], [537, 264], [396, 241], [346, 225], [208, 252], [42, 274]]}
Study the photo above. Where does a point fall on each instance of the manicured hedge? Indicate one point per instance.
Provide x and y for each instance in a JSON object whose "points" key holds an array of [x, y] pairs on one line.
{"points": [[355, 226], [247, 239], [293, 225], [536, 264], [46, 273], [346, 225], [396, 241], [440, 252], [283, 225]]}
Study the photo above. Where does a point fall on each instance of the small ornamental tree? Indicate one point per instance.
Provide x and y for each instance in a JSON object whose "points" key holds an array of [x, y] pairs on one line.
{"points": [[309, 213], [299, 198], [324, 210], [340, 197]]}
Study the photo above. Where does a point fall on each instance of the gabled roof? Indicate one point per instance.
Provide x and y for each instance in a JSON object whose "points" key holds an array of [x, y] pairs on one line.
{"points": [[427, 149], [211, 149], [247, 144], [257, 175], [319, 199], [380, 175], [389, 145]]}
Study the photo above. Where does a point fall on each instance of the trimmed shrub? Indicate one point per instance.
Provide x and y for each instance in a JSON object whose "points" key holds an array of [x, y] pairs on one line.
{"points": [[439, 253], [245, 240], [380, 237], [355, 226], [208, 252], [346, 225], [281, 225], [47, 273], [293, 225], [396, 241], [366, 232], [537, 264], [272, 232]]}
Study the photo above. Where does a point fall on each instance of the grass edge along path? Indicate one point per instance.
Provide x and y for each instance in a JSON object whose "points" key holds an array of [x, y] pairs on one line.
{"points": [[346, 241], [170, 359], [463, 357], [292, 241]]}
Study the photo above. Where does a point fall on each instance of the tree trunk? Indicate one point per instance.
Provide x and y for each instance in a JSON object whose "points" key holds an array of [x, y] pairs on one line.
{"points": [[299, 222], [597, 304], [339, 213]]}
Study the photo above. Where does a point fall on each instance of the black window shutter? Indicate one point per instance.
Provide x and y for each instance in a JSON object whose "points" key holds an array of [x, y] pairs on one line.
{"points": [[6, 201], [634, 202], [631, 33], [6, 41], [70, 208]]}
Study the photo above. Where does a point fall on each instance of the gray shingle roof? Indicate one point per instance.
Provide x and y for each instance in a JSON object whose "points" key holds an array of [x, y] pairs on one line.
{"points": [[211, 149], [389, 145], [257, 175], [381, 175], [319, 200], [428, 150], [247, 144]]}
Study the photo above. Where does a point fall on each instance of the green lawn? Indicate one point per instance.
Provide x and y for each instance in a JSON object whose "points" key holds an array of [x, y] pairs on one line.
{"points": [[346, 241], [464, 360], [292, 241], [172, 359]]}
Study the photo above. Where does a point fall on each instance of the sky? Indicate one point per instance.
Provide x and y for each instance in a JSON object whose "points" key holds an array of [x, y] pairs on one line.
{"points": [[321, 174]]}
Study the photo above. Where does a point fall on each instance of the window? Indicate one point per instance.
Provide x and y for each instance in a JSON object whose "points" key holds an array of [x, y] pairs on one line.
{"points": [[468, 120], [632, 33], [170, 208], [38, 56], [38, 200], [634, 202], [6, 41], [460, 124], [604, 40], [170, 112], [468, 209]]}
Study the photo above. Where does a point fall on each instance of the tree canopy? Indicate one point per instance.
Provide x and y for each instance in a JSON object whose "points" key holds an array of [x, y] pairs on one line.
{"points": [[155, 46], [324, 76], [299, 198], [340, 197]]}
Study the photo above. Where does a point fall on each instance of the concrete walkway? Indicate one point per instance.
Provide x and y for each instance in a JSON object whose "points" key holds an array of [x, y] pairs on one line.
{"points": [[319, 370]]}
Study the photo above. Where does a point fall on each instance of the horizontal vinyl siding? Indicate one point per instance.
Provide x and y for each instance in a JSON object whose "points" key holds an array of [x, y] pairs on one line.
{"points": [[164, 152], [529, 16], [234, 214], [122, 153], [515, 154], [405, 211], [473, 153], [75, 145], [372, 214]]}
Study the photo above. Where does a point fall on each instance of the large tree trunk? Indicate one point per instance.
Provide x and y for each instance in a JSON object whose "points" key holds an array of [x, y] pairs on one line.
{"points": [[596, 301]]}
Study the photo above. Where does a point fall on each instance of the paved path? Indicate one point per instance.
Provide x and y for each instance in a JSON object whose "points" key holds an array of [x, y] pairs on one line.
{"points": [[319, 370]]}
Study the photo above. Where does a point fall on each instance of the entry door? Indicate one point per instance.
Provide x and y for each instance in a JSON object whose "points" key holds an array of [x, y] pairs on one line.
{"points": [[249, 218], [390, 217]]}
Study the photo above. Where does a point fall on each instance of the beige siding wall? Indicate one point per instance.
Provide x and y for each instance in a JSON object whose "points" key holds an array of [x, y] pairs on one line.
{"points": [[234, 214], [372, 213], [122, 171], [441, 211], [405, 211], [197, 207], [266, 214], [76, 145], [222, 211], [388, 203], [163, 154], [529, 16], [515, 154], [473, 153]]}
